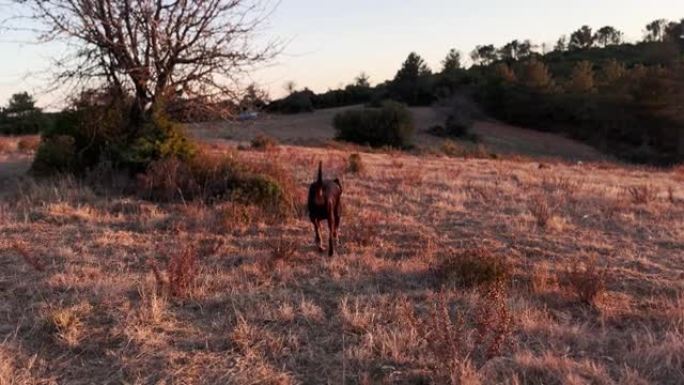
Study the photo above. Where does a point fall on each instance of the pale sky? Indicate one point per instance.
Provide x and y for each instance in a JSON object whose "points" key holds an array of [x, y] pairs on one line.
{"points": [[329, 43]]}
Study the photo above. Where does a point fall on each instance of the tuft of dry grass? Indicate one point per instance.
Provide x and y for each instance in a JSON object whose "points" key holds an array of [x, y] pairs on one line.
{"points": [[587, 281], [66, 324], [643, 194], [541, 210], [181, 272], [472, 267]]}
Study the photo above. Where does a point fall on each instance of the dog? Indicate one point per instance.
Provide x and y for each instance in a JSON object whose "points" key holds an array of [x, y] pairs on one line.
{"points": [[324, 204]]}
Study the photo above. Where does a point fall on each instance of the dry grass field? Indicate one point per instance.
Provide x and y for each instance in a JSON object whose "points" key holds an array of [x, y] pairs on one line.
{"points": [[450, 271]]}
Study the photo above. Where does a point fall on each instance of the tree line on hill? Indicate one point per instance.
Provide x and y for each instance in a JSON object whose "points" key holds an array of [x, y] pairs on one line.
{"points": [[623, 98], [626, 99]]}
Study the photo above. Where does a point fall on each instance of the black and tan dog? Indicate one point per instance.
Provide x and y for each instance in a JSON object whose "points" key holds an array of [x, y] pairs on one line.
{"points": [[324, 204]]}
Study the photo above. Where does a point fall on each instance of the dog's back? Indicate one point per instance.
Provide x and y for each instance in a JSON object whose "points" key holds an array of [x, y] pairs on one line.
{"points": [[323, 194], [324, 204]]}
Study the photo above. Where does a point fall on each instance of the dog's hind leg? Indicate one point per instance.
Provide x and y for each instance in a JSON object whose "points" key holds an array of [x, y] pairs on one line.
{"points": [[332, 230], [317, 231], [337, 223]]}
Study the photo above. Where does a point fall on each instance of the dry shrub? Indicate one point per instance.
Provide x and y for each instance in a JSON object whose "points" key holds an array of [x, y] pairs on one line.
{"points": [[459, 342], [355, 164], [447, 339], [586, 281], [472, 267], [210, 178], [541, 210], [264, 142], [167, 180], [542, 279], [643, 194], [494, 320], [181, 272], [28, 144]]}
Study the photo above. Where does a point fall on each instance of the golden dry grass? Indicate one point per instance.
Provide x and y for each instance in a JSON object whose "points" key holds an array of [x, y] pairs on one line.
{"points": [[266, 308]]}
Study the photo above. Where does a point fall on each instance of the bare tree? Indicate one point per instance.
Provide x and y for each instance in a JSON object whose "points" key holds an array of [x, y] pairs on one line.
{"points": [[154, 48]]}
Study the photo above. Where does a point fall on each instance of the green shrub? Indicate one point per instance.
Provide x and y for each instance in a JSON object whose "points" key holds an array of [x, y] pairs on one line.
{"points": [[390, 125], [56, 154], [100, 130], [159, 138], [457, 125], [472, 267], [295, 103]]}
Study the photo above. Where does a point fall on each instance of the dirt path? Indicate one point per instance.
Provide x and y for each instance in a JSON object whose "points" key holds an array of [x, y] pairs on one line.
{"points": [[315, 128]]}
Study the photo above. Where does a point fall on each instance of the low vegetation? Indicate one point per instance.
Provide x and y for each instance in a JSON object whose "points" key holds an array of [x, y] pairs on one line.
{"points": [[390, 125]]}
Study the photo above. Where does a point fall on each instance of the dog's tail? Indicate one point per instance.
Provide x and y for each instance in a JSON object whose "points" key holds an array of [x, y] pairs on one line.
{"points": [[320, 172]]}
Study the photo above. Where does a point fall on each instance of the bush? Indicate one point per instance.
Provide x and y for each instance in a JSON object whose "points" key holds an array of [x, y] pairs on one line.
{"points": [[264, 142], [56, 154], [295, 103], [212, 178], [97, 128], [391, 125], [355, 164], [473, 267], [457, 125]]}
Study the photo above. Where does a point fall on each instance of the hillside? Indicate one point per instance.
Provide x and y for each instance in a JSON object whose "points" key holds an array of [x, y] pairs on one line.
{"points": [[316, 128], [79, 302]]}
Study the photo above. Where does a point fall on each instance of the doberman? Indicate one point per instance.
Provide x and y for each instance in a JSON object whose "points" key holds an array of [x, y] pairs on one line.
{"points": [[324, 204]]}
